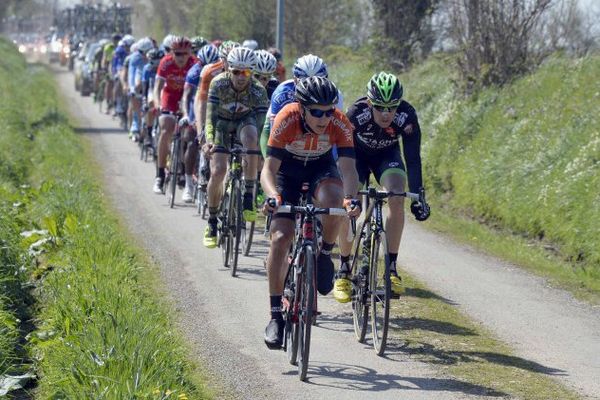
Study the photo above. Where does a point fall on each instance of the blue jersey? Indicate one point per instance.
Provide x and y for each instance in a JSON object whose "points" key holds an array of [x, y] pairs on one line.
{"points": [[193, 79], [148, 77], [118, 59], [134, 72]]}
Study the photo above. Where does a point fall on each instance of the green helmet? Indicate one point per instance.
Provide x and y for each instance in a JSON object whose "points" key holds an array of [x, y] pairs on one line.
{"points": [[197, 43], [384, 89]]}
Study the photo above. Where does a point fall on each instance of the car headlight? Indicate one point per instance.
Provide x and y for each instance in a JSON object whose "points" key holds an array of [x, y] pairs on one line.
{"points": [[66, 49], [22, 48]]}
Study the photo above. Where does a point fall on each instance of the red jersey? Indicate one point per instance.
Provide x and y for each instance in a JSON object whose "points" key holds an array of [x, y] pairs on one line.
{"points": [[174, 78]]}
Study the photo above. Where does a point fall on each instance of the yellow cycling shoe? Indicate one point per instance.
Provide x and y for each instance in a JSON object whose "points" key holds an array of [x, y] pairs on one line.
{"points": [[342, 289], [210, 240], [396, 281], [249, 215]]}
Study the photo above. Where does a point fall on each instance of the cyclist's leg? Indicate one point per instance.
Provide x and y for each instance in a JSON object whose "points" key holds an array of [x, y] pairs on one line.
{"points": [[282, 234], [108, 94], [390, 173], [249, 139], [190, 159], [362, 167], [135, 104], [328, 192], [167, 127]]}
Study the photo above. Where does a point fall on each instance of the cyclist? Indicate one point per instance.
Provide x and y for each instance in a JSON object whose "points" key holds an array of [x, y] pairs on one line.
{"points": [[208, 54], [250, 44], [137, 61], [264, 69], [117, 62], [280, 71], [107, 55], [380, 120], [305, 66], [170, 78], [197, 43], [299, 150], [148, 78], [166, 43], [237, 104], [206, 77]]}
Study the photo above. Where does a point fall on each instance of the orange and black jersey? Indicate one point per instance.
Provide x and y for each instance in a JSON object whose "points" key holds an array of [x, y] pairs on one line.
{"points": [[371, 140], [292, 142]]}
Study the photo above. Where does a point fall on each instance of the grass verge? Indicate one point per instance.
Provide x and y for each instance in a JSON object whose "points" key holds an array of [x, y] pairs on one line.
{"points": [[100, 331]]}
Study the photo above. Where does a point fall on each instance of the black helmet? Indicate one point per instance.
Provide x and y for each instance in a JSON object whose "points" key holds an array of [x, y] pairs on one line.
{"points": [[316, 90], [155, 54], [116, 37]]}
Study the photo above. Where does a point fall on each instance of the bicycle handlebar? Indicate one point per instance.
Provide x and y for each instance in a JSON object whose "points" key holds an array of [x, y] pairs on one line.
{"points": [[381, 194], [311, 210]]}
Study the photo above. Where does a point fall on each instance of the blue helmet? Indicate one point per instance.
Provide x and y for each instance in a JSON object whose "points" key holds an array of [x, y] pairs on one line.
{"points": [[208, 54]]}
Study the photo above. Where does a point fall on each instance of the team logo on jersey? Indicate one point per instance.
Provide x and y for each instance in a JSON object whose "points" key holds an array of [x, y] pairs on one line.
{"points": [[400, 118], [343, 127], [235, 108], [363, 117], [283, 125]]}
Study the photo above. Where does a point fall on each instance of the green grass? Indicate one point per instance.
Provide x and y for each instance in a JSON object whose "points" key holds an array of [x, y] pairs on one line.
{"points": [[521, 163], [101, 331]]}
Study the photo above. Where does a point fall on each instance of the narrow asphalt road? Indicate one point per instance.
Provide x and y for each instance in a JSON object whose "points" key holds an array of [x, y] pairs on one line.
{"points": [[223, 317]]}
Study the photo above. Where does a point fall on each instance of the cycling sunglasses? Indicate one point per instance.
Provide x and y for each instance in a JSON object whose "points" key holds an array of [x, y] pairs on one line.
{"points": [[262, 77], [318, 113], [389, 108], [243, 72], [180, 54]]}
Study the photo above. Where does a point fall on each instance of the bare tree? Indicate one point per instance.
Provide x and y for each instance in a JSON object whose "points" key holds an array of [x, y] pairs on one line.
{"points": [[405, 29], [493, 38], [567, 28]]}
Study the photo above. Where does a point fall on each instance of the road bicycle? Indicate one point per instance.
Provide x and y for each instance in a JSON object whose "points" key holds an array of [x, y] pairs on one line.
{"points": [[231, 210], [371, 285], [299, 300]]}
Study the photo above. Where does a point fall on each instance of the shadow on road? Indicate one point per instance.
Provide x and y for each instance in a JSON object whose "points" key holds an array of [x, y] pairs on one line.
{"points": [[446, 328], [426, 294], [97, 131], [433, 355], [352, 377]]}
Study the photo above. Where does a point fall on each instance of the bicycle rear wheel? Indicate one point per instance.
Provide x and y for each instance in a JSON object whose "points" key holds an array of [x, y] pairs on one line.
{"points": [[306, 313], [248, 233], [381, 291], [237, 222], [360, 284]]}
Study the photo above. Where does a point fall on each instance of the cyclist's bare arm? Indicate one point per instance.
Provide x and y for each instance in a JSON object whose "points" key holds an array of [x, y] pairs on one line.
{"points": [[268, 176], [187, 91], [347, 166], [158, 87]]}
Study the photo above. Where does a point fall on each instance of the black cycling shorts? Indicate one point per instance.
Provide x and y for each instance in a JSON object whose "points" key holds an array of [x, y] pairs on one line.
{"points": [[378, 163], [290, 186]]}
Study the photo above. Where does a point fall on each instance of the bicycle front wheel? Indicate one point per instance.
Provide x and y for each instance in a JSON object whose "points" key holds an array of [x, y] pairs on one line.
{"points": [[174, 167], [225, 231], [291, 297], [360, 284], [236, 225], [381, 291], [307, 312]]}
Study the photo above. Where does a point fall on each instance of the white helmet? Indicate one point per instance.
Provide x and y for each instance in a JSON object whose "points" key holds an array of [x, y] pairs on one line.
{"points": [[266, 63], [133, 48], [208, 54], [241, 58], [144, 44], [167, 41], [309, 65], [251, 44], [128, 40]]}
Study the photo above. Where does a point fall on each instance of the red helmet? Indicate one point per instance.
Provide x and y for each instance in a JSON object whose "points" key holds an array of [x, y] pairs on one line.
{"points": [[181, 43]]}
